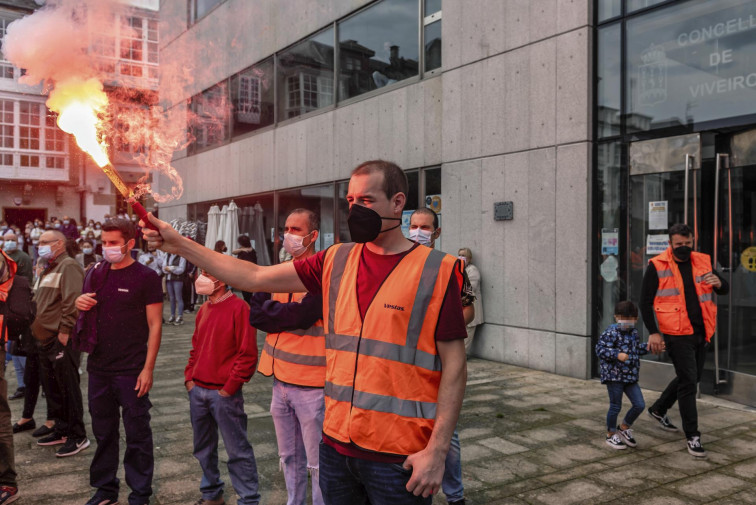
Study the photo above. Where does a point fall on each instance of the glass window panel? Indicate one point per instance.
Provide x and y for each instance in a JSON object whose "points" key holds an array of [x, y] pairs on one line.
{"points": [[432, 197], [608, 9], [608, 179], [691, 62], [305, 76], [413, 179], [343, 209], [432, 6], [318, 199], [634, 5], [381, 41], [433, 46], [252, 98], [257, 221], [609, 90], [209, 121], [202, 7]]}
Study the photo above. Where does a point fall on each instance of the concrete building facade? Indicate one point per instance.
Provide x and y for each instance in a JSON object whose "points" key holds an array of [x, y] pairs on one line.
{"points": [[601, 122], [507, 117]]}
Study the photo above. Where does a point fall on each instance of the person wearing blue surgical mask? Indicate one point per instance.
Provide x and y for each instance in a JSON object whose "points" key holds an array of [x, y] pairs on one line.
{"points": [[87, 256], [13, 249]]}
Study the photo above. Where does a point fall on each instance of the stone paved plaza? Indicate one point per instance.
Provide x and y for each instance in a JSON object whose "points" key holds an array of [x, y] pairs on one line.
{"points": [[528, 437]]}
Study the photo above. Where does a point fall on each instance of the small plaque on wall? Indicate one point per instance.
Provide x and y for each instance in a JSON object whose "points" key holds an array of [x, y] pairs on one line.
{"points": [[503, 211]]}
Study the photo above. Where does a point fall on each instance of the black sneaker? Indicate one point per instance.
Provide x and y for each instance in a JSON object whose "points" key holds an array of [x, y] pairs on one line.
{"points": [[97, 499], [53, 438], [43, 431], [20, 393], [178, 322], [72, 446], [663, 421], [695, 448], [627, 436], [615, 442]]}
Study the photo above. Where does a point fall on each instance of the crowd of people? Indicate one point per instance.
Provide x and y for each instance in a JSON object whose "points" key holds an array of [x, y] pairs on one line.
{"points": [[366, 344]]}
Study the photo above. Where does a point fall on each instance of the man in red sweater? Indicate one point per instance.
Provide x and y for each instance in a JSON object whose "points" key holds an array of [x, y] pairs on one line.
{"points": [[222, 359]]}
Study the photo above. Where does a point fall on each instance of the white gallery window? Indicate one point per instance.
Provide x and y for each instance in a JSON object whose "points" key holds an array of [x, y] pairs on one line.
{"points": [[27, 140]]}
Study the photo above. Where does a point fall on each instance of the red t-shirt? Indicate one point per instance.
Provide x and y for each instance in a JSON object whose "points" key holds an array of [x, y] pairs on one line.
{"points": [[371, 272]]}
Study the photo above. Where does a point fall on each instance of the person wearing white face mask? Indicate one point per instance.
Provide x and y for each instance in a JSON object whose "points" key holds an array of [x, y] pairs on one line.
{"points": [[222, 359], [425, 229], [120, 326], [294, 355]]}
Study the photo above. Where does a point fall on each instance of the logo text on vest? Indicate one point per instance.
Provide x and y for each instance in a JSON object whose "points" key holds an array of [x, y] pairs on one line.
{"points": [[395, 307]]}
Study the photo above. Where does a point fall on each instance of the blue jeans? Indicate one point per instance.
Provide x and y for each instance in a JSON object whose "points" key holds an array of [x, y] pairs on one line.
{"points": [[298, 418], [633, 392], [211, 412], [452, 483], [19, 363], [175, 293], [352, 481]]}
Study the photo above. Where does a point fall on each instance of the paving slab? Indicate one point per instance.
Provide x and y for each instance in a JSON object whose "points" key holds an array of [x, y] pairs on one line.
{"points": [[527, 436]]}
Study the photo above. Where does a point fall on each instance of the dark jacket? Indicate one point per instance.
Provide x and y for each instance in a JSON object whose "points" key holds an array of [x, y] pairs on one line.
{"points": [[612, 342], [85, 332]]}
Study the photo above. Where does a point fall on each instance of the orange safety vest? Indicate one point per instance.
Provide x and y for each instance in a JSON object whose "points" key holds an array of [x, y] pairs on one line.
{"points": [[298, 356], [383, 373], [669, 302]]}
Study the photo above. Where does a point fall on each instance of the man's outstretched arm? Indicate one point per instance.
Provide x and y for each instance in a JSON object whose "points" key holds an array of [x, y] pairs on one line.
{"points": [[241, 274]]}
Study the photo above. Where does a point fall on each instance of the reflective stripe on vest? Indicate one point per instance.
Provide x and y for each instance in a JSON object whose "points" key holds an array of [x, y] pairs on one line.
{"points": [[669, 303], [370, 363], [668, 292], [295, 357]]}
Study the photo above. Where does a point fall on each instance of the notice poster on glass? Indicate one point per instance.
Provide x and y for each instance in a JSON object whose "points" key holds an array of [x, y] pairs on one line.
{"points": [[610, 241], [327, 240], [406, 214], [656, 244], [657, 215]]}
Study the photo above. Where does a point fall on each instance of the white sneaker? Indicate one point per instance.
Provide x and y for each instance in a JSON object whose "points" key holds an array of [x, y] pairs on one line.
{"points": [[615, 442]]}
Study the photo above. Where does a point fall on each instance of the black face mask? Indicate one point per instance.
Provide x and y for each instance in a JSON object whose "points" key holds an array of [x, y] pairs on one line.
{"points": [[365, 224], [683, 252]]}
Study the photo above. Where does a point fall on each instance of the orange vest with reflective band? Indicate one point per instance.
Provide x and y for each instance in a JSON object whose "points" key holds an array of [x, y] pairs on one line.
{"points": [[383, 373], [295, 357], [669, 302]]}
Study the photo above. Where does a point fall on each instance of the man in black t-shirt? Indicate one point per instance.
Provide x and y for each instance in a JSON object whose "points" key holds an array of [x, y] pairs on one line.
{"points": [[120, 326]]}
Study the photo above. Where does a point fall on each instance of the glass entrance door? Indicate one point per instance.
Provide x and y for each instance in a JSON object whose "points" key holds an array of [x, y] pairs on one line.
{"points": [[734, 345], [709, 182]]}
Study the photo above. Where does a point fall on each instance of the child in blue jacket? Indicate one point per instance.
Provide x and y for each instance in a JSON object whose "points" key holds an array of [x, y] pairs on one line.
{"points": [[619, 350]]}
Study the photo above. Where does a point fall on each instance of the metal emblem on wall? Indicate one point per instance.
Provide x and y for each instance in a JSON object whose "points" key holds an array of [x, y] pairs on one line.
{"points": [[652, 76]]}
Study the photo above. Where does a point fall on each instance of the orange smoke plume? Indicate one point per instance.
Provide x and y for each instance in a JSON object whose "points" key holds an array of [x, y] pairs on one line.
{"points": [[53, 46]]}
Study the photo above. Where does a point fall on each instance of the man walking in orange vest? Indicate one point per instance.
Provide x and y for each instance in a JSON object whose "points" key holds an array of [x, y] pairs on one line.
{"points": [[294, 354], [395, 354], [677, 289]]}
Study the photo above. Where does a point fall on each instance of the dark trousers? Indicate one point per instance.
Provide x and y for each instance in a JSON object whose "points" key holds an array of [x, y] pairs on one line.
{"points": [[7, 466], [33, 379], [688, 354], [108, 395], [60, 367], [353, 481]]}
